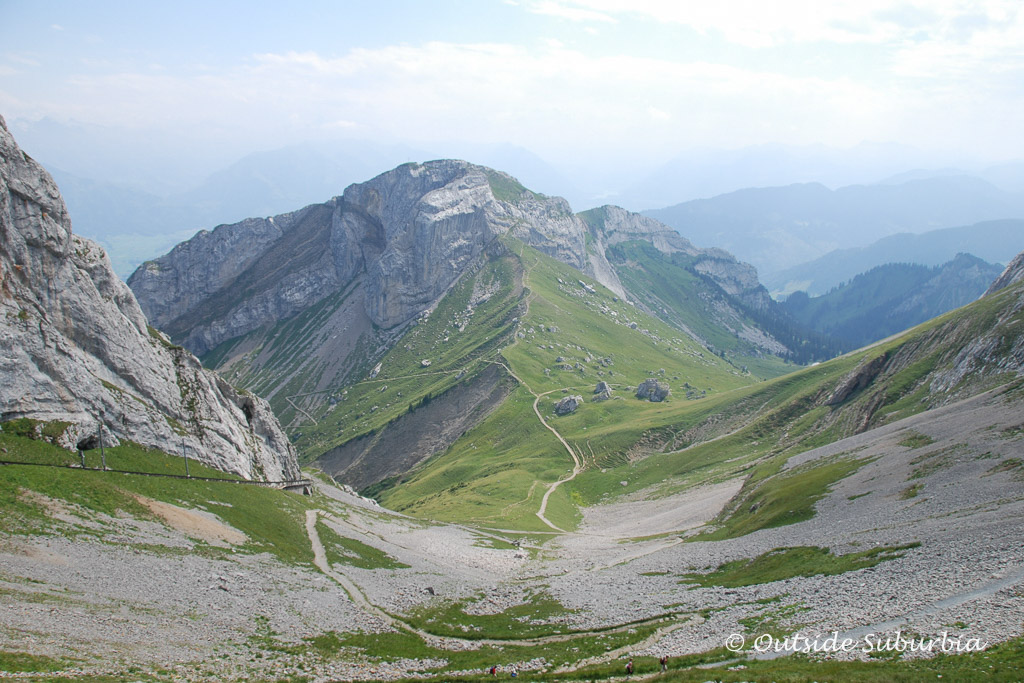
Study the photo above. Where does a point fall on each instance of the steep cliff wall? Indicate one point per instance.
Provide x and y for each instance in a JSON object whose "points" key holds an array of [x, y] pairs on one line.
{"points": [[78, 349], [409, 233]]}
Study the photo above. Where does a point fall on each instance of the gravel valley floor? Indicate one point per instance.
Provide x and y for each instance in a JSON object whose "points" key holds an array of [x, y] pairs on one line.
{"points": [[141, 597]]}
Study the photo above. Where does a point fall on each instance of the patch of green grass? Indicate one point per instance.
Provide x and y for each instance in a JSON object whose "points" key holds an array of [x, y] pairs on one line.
{"points": [[1015, 465], [540, 615], [505, 188], [1012, 432], [35, 429], [272, 520], [932, 461], [916, 440], [19, 662], [775, 619], [787, 563], [393, 646], [911, 491], [353, 552], [493, 543], [1003, 662], [162, 340], [780, 498]]}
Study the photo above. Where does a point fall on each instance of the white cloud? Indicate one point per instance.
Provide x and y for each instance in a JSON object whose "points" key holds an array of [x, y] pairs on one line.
{"points": [[549, 94], [569, 10], [658, 114], [760, 24]]}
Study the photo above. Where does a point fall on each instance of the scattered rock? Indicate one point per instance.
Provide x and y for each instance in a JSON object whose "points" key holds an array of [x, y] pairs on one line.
{"points": [[652, 390], [567, 405]]}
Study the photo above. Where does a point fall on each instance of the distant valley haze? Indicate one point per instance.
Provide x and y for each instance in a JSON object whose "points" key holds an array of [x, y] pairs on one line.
{"points": [[188, 116]]}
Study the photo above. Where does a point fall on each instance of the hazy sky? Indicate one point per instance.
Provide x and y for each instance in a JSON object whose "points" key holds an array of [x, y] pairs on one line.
{"points": [[559, 77]]}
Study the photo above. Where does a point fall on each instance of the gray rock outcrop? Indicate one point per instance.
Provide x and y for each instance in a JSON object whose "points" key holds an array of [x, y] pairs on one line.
{"points": [[77, 345], [602, 392], [1014, 272], [652, 390], [403, 237], [568, 404], [858, 379], [611, 225]]}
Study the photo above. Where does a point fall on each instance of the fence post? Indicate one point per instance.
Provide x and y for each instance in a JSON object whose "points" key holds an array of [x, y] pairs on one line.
{"points": [[184, 454]]}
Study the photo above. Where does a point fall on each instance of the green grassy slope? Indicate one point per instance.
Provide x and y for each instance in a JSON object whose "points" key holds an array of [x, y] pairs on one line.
{"points": [[271, 519], [455, 339], [732, 424], [571, 338], [289, 368], [761, 427], [669, 285]]}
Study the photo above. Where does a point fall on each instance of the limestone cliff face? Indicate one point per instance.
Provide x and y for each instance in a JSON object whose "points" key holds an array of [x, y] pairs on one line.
{"points": [[405, 235], [1013, 273], [612, 225], [399, 241], [78, 347], [413, 230]]}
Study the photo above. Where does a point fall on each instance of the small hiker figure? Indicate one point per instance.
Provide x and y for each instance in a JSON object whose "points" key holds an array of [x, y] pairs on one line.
{"points": [[664, 663], [514, 672], [494, 671], [629, 667]]}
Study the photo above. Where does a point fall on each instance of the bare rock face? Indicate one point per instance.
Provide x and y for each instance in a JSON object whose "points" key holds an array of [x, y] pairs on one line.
{"points": [[78, 347], [1013, 273], [652, 390], [402, 238], [857, 380], [614, 225], [568, 405], [602, 392], [611, 225], [418, 227]]}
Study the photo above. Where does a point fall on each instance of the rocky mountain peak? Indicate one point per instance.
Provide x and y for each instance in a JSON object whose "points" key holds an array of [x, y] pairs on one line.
{"points": [[405, 236], [1014, 272], [80, 350]]}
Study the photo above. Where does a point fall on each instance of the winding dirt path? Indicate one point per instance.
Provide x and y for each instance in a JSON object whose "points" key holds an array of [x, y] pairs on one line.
{"points": [[452, 642], [577, 465]]}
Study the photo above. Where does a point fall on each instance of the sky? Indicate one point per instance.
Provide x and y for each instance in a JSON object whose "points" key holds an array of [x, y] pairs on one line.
{"points": [[599, 81]]}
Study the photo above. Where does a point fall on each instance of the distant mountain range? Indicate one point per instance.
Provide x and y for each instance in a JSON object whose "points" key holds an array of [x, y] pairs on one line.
{"points": [[139, 194], [993, 241], [776, 228], [891, 298]]}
